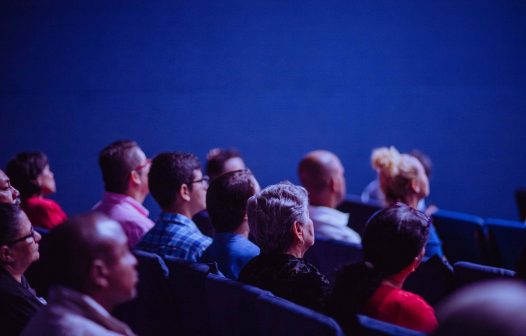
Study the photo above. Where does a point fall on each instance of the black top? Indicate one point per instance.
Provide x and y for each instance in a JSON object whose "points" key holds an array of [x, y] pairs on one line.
{"points": [[18, 303], [289, 277]]}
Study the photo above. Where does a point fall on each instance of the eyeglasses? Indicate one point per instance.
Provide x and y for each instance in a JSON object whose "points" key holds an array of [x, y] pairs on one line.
{"points": [[205, 179], [31, 235], [142, 165]]}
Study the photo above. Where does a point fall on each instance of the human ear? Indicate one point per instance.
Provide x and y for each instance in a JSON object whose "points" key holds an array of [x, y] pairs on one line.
{"points": [[297, 231], [184, 192], [98, 273], [5, 254]]}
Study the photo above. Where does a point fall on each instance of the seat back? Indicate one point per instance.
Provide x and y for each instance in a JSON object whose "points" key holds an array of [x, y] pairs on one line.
{"points": [[231, 306], [277, 316], [507, 240], [359, 212], [369, 326], [462, 236], [149, 312], [187, 284], [329, 255], [520, 199], [467, 273]]}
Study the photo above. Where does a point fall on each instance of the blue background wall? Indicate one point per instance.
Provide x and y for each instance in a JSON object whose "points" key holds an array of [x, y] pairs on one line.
{"points": [[274, 79]]}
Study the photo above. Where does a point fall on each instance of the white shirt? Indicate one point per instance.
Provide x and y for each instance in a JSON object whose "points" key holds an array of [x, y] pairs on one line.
{"points": [[332, 224]]}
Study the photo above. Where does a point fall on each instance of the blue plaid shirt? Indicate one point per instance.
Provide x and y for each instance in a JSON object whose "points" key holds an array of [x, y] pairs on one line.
{"points": [[175, 235]]}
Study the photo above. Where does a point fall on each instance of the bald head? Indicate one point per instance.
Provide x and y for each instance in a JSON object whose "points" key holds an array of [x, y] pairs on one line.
{"points": [[321, 173], [77, 243]]}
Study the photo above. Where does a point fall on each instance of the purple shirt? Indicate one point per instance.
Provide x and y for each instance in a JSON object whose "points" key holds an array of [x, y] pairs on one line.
{"points": [[132, 216]]}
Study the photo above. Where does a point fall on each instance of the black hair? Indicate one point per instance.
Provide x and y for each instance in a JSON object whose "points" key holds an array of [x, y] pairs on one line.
{"points": [[23, 171], [116, 162], [215, 161], [392, 239], [226, 199], [169, 171], [9, 222]]}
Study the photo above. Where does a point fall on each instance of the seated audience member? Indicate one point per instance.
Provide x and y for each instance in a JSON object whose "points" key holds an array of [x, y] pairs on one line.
{"points": [[403, 179], [125, 170], [322, 174], [373, 192], [218, 162], [29, 172], [8, 193], [279, 220], [92, 271], [492, 308], [178, 185], [226, 201], [393, 246], [18, 250]]}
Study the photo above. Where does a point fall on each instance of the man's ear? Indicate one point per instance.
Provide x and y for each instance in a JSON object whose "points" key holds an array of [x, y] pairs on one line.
{"points": [[415, 185], [297, 231], [5, 254], [184, 192], [98, 274], [135, 178]]}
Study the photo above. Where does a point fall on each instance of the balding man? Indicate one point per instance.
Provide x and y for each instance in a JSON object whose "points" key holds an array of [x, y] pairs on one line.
{"points": [[92, 271], [322, 174]]}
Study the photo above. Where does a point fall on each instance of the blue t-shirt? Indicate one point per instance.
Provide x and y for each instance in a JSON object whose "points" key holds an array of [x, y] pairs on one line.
{"points": [[434, 244], [231, 252]]}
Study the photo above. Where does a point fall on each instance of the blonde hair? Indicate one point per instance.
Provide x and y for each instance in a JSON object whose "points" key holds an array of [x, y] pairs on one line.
{"points": [[396, 172]]}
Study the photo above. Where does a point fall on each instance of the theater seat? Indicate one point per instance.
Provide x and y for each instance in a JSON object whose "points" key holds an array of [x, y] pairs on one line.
{"points": [[359, 212], [507, 240], [520, 199], [467, 273], [372, 327]]}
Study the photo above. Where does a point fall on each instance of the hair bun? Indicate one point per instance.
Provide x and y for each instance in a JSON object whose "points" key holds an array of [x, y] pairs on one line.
{"points": [[386, 160]]}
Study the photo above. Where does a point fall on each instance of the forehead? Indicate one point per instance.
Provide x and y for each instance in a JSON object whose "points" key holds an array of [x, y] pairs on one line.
{"points": [[232, 164]]}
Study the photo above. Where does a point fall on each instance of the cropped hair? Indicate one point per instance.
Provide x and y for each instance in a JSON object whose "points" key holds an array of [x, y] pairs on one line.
{"points": [[226, 199], [392, 239], [23, 171], [116, 162], [272, 213], [168, 172], [9, 222], [396, 172], [215, 161]]}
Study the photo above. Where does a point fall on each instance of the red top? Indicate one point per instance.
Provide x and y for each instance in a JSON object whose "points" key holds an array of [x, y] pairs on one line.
{"points": [[396, 306], [43, 212]]}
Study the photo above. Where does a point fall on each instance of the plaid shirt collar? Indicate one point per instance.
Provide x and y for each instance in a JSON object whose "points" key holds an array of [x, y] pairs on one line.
{"points": [[175, 218]]}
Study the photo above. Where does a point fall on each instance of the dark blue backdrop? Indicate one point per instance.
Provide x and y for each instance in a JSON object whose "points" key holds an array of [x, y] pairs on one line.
{"points": [[274, 79]]}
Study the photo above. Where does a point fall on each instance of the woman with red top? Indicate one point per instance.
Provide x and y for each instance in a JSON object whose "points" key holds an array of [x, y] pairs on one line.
{"points": [[30, 174], [393, 246]]}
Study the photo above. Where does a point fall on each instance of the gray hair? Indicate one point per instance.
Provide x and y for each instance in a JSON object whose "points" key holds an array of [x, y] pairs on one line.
{"points": [[272, 213]]}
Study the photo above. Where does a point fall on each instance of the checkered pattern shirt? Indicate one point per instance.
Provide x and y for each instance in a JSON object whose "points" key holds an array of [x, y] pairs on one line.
{"points": [[177, 236]]}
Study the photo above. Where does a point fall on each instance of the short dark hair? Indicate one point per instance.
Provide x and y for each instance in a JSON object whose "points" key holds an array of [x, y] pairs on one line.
{"points": [[116, 162], [392, 239], [226, 199], [9, 222], [216, 158], [23, 171], [168, 172]]}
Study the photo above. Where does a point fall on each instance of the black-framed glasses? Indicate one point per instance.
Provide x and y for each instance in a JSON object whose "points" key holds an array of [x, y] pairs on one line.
{"points": [[30, 235], [205, 179]]}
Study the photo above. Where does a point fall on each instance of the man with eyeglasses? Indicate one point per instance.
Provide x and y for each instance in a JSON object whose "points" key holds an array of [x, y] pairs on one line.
{"points": [[125, 170], [179, 187]]}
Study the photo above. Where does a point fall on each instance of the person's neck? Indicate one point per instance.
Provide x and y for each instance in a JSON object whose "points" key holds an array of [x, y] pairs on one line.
{"points": [[296, 251], [16, 274], [136, 195], [101, 300], [178, 210], [323, 199], [243, 229], [395, 281]]}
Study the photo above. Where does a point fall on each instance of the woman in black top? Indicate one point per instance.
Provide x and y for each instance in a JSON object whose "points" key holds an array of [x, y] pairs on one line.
{"points": [[18, 249], [279, 221]]}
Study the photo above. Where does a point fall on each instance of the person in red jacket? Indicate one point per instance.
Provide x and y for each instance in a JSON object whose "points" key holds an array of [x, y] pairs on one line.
{"points": [[30, 174], [393, 247]]}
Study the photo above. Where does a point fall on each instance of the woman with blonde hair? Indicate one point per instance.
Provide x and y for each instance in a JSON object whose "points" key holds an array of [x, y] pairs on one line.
{"points": [[403, 179]]}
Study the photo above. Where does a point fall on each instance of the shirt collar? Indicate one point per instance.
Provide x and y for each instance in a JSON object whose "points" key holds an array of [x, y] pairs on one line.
{"points": [[121, 198], [176, 218]]}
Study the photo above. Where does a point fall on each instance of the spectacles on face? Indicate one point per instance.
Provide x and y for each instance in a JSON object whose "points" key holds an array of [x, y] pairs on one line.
{"points": [[205, 179], [27, 238], [143, 165]]}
